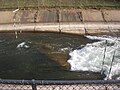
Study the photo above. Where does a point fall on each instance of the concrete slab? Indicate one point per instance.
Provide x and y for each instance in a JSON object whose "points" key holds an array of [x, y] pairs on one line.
{"points": [[52, 16], [47, 27], [46, 16], [96, 31], [6, 17], [72, 28], [102, 32], [71, 16], [78, 31], [17, 27], [26, 16], [92, 15], [111, 15], [102, 25]]}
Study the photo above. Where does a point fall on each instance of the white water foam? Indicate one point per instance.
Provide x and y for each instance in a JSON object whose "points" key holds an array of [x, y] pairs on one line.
{"points": [[15, 10], [66, 49], [23, 45], [91, 56]]}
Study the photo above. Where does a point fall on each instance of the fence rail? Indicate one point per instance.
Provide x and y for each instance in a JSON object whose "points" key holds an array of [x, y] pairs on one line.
{"points": [[59, 84]]}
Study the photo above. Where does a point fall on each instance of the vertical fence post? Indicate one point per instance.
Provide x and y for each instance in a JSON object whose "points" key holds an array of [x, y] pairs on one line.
{"points": [[34, 85]]}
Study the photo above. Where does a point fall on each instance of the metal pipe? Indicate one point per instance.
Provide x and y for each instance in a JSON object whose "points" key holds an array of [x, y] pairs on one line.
{"points": [[59, 82]]}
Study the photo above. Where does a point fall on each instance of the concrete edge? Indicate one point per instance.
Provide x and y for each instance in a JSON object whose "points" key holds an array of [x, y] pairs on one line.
{"points": [[71, 28]]}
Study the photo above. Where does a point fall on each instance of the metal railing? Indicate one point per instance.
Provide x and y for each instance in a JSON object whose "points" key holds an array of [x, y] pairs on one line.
{"points": [[59, 84]]}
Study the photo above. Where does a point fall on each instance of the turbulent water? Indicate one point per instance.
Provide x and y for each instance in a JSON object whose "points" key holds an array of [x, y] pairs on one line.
{"points": [[40, 56], [102, 56]]}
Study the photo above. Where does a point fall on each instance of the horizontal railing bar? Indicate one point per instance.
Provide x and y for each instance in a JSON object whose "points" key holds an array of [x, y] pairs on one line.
{"points": [[59, 82]]}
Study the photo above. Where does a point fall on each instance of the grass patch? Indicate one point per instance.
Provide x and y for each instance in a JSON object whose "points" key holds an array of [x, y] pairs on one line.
{"points": [[10, 4]]}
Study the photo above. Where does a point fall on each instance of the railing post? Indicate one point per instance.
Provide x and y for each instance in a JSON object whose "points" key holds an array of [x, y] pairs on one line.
{"points": [[34, 85]]}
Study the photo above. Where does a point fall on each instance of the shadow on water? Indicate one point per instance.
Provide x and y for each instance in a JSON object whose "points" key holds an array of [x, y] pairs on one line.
{"points": [[34, 65], [37, 62]]}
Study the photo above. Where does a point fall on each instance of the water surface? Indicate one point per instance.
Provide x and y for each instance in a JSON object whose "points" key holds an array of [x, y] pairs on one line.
{"points": [[45, 57]]}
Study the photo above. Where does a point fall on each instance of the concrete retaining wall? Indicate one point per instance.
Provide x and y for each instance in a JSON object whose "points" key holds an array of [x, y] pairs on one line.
{"points": [[73, 28], [6, 17], [53, 16], [75, 21]]}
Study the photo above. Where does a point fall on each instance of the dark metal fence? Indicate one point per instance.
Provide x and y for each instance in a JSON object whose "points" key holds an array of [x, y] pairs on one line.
{"points": [[59, 85]]}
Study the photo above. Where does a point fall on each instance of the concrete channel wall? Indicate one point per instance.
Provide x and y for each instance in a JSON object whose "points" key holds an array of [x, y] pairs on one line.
{"points": [[72, 28], [76, 21]]}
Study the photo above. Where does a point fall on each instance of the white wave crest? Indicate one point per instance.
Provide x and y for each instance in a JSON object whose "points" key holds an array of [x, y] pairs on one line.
{"points": [[22, 45], [91, 57]]}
